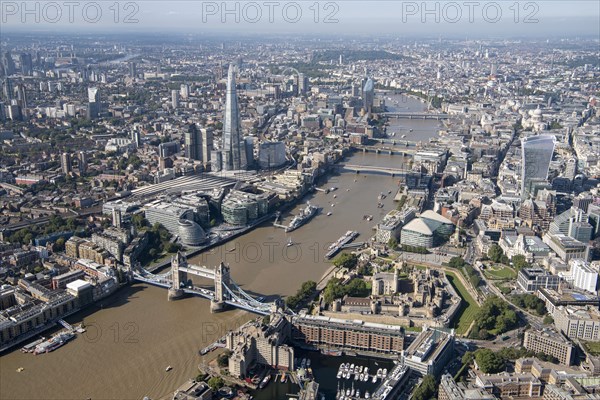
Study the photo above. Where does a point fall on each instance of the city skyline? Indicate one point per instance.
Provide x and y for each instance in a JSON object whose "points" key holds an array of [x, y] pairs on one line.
{"points": [[412, 19]]}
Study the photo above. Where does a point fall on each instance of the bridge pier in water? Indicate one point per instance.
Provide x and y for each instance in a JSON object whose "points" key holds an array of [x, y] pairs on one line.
{"points": [[175, 291], [222, 277]]}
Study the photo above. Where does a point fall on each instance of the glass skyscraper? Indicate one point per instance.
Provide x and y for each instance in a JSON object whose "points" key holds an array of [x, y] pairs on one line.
{"points": [[234, 154], [536, 154]]}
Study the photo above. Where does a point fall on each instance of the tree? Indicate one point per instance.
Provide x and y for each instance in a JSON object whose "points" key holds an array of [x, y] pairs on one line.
{"points": [[468, 358], [139, 221], [548, 319], [483, 334], [519, 262], [494, 314], [426, 389], [488, 362], [456, 262], [223, 359], [215, 383], [59, 245], [346, 260], [392, 243], [495, 253]]}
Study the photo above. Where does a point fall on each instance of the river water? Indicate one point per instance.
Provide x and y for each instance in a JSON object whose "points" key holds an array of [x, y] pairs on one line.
{"points": [[422, 129], [137, 333]]}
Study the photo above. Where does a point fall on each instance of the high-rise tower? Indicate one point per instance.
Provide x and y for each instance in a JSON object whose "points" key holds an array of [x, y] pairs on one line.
{"points": [[234, 158], [368, 96], [536, 154], [93, 103], [193, 143]]}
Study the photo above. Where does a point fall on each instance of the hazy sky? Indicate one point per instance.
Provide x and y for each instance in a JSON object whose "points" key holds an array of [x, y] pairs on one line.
{"points": [[407, 18]]}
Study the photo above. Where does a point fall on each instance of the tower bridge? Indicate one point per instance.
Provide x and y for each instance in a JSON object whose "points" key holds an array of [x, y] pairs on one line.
{"points": [[225, 293]]}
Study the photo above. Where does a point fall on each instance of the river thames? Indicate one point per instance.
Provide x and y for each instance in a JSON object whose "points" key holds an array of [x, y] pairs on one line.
{"points": [[133, 336]]}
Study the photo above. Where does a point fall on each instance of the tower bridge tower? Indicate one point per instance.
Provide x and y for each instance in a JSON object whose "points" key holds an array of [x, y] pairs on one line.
{"points": [[175, 290], [222, 278]]}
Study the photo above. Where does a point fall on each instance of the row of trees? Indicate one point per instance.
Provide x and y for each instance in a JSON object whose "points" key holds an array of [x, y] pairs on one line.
{"points": [[346, 260], [426, 390], [467, 270], [530, 302], [304, 293], [55, 224], [496, 254], [414, 249]]}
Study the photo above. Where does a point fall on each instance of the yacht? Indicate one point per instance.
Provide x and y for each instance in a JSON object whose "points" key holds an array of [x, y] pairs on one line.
{"points": [[367, 395], [290, 243], [384, 373], [168, 368], [374, 380], [329, 213]]}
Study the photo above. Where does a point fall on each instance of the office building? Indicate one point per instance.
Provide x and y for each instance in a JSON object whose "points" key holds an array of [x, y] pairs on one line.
{"points": [[9, 64], [271, 155], [536, 154], [511, 385], [175, 98], [578, 322], [233, 146], [565, 247], [26, 64], [551, 343], [584, 276], [368, 96], [241, 208], [302, 83], [168, 149], [193, 143], [430, 352], [450, 390], [93, 109], [207, 145], [132, 69], [532, 279], [574, 223], [391, 225], [180, 220], [429, 230]]}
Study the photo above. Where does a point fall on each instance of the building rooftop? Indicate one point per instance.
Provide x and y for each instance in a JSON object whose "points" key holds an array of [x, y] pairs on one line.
{"points": [[420, 226]]}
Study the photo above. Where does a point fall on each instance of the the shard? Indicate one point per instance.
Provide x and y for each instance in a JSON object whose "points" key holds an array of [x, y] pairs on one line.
{"points": [[234, 157]]}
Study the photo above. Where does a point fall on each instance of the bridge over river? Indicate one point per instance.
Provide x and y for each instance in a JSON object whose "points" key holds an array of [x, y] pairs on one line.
{"points": [[226, 292]]}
